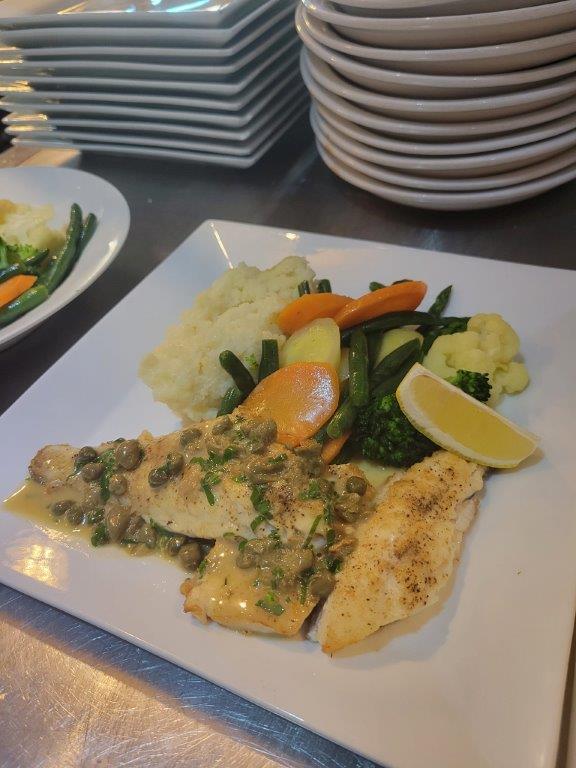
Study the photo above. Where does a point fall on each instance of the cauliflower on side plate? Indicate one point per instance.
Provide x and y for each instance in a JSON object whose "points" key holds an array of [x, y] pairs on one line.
{"points": [[489, 345]]}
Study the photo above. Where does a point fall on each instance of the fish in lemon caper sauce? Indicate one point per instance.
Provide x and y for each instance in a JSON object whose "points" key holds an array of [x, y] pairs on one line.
{"points": [[284, 519]]}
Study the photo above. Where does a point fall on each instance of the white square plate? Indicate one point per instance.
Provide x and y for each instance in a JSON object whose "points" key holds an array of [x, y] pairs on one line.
{"points": [[478, 681]]}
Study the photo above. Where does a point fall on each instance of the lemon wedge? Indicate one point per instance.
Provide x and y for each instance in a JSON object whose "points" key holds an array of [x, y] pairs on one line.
{"points": [[459, 423]]}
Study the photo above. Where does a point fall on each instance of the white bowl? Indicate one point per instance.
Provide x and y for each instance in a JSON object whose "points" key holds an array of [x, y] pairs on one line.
{"points": [[450, 31], [446, 201], [60, 187], [437, 110], [391, 8], [466, 167], [452, 148], [391, 81], [486, 59], [430, 131], [412, 181]]}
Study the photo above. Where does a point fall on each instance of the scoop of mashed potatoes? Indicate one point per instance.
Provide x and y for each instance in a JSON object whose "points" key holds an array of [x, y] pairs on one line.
{"points": [[236, 313], [28, 225]]}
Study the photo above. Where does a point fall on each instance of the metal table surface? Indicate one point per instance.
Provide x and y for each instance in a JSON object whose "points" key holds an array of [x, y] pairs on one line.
{"points": [[72, 695]]}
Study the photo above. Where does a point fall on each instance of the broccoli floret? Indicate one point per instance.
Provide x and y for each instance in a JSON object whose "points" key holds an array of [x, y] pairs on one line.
{"points": [[384, 434], [476, 385], [21, 252]]}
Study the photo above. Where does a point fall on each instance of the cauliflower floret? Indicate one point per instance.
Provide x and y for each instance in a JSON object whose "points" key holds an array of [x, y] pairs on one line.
{"points": [[497, 338], [488, 346]]}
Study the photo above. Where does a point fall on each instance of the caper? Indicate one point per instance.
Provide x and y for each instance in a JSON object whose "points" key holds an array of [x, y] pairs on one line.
{"points": [[222, 425], [247, 559], [95, 516], [93, 497], [347, 508], [190, 556], [75, 514], [258, 470], [310, 450], [128, 454], [91, 471], [147, 536], [356, 484], [117, 521], [265, 431], [174, 463], [117, 484], [189, 435], [321, 584], [86, 454], [173, 544], [325, 487], [61, 507], [158, 477]]}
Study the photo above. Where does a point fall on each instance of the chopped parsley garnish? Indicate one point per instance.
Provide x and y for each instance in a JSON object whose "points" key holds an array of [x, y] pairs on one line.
{"points": [[313, 491], [270, 603], [210, 468], [277, 576], [207, 488], [261, 505], [108, 458], [312, 531], [333, 564], [278, 459], [202, 567], [303, 582]]}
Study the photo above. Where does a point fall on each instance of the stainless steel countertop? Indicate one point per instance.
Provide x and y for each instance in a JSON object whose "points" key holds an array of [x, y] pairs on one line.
{"points": [[72, 695]]}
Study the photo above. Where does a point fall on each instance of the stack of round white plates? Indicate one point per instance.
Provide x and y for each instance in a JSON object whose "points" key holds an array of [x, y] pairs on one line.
{"points": [[215, 81], [445, 104]]}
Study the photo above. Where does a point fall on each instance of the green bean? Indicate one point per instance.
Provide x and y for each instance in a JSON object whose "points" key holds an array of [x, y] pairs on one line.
{"points": [[324, 286], [358, 362], [12, 271], [440, 302], [24, 303], [4, 261], [236, 368], [88, 229], [404, 280], [59, 267], [374, 343], [393, 362], [391, 383], [231, 400], [37, 259], [303, 288], [342, 420], [375, 285], [389, 321], [269, 361]]}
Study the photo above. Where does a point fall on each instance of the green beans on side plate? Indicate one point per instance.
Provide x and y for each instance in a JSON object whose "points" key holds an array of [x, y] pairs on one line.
{"points": [[269, 360], [238, 371], [358, 364]]}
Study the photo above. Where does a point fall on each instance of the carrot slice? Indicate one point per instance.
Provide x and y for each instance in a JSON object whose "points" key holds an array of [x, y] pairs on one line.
{"points": [[310, 307], [392, 298], [332, 448], [14, 287], [300, 398]]}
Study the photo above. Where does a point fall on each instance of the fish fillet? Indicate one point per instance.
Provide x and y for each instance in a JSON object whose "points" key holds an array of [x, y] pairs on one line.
{"points": [[406, 550]]}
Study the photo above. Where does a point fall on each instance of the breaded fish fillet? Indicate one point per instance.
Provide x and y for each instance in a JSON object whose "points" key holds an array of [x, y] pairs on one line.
{"points": [[406, 550]]}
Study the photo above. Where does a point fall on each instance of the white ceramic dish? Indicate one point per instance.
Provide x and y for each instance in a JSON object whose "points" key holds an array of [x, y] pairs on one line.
{"points": [[414, 181], [251, 38], [452, 148], [209, 13], [109, 67], [239, 119], [286, 66], [450, 31], [461, 167], [60, 187], [431, 131], [139, 149], [446, 201], [441, 110], [235, 148], [431, 675], [146, 35], [43, 126], [391, 81], [257, 72], [391, 8], [487, 59]]}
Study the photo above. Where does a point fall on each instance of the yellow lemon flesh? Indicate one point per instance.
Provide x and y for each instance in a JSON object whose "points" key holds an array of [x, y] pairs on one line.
{"points": [[459, 423]]}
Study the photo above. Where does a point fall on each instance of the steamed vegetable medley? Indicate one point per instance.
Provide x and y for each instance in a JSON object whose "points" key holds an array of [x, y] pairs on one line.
{"points": [[34, 259], [335, 378]]}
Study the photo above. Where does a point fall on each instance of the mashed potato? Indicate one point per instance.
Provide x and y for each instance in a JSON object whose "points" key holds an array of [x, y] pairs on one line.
{"points": [[235, 313], [28, 225]]}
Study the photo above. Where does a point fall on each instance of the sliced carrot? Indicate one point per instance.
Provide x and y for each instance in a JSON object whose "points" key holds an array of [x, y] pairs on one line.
{"points": [[392, 298], [300, 398], [332, 448], [14, 287], [310, 307]]}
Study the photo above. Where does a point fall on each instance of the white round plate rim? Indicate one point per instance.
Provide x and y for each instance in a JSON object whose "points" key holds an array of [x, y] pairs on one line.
{"points": [[36, 185], [346, 66], [426, 7]]}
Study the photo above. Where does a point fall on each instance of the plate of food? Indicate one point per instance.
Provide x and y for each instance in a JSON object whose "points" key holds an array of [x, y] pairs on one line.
{"points": [[332, 476], [59, 230]]}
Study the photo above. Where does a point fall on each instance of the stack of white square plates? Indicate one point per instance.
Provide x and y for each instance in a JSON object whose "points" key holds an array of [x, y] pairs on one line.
{"points": [[214, 81], [446, 104]]}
